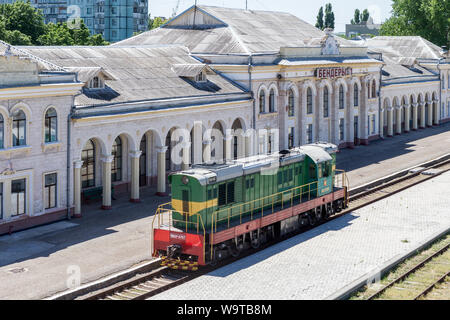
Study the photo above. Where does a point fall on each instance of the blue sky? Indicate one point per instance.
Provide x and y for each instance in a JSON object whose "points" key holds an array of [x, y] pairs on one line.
{"points": [[304, 9]]}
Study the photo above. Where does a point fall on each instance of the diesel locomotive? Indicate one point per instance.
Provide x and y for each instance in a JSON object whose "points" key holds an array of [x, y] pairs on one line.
{"points": [[218, 210]]}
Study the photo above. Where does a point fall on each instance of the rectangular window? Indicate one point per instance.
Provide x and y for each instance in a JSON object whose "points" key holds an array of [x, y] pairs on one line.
{"points": [[50, 190], [222, 195], [291, 138], [18, 197], [280, 177], [18, 132], [309, 133], [230, 192], [341, 129]]}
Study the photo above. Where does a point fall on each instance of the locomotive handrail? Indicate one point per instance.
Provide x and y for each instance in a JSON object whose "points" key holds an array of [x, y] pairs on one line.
{"points": [[274, 201], [159, 216]]}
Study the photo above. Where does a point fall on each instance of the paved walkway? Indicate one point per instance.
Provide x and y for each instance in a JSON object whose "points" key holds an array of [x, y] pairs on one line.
{"points": [[320, 262], [104, 242], [385, 157]]}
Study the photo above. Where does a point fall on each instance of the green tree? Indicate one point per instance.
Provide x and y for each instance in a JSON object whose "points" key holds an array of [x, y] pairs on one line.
{"points": [[319, 23], [365, 16], [22, 17], [97, 40], [13, 37], [329, 16], [79, 33], [356, 18], [156, 22], [429, 19], [56, 35]]}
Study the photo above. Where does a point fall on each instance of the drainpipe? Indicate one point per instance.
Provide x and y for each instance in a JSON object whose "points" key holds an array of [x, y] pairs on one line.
{"points": [[440, 89], [69, 123], [379, 99], [251, 90]]}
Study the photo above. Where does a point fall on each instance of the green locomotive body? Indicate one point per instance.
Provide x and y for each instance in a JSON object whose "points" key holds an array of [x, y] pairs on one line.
{"points": [[216, 196]]}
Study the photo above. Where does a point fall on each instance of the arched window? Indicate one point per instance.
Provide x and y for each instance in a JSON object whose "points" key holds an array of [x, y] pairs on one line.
{"points": [[355, 95], [262, 102], [116, 166], [341, 97], [291, 103], [309, 103], [272, 101], [326, 105], [88, 168], [19, 128], [50, 125], [374, 89], [2, 134]]}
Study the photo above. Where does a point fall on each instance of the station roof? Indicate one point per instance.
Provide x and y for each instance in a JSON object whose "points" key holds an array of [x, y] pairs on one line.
{"points": [[402, 57], [134, 73], [406, 46], [234, 31]]}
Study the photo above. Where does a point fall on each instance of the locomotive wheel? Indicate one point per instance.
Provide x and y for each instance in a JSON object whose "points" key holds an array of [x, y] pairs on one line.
{"points": [[256, 243], [312, 219], [234, 251]]}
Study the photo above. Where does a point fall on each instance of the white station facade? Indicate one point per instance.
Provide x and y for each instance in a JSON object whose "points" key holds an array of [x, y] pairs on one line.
{"points": [[85, 123]]}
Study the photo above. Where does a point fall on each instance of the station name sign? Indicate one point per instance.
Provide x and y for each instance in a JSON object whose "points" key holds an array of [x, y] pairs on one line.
{"points": [[331, 73]]}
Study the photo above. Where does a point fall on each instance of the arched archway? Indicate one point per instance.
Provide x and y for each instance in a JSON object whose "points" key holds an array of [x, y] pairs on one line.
{"points": [[238, 142], [218, 152]]}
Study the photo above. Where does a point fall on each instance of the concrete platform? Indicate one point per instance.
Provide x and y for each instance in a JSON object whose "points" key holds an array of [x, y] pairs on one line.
{"points": [[323, 261]]}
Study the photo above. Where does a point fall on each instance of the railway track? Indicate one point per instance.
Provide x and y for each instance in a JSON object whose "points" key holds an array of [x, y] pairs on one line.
{"points": [[425, 276], [148, 284], [142, 286], [388, 188]]}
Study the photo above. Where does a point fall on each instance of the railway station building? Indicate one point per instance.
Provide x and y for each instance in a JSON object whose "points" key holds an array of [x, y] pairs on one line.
{"points": [[221, 83]]}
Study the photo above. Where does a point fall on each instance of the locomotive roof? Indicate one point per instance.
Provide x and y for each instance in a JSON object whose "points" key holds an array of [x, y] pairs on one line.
{"points": [[213, 173]]}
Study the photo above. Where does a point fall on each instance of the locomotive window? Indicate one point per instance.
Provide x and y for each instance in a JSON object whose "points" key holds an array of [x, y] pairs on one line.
{"points": [[280, 177], [222, 194], [312, 171], [291, 175], [319, 167], [209, 194], [326, 170], [250, 183], [285, 176], [230, 192]]}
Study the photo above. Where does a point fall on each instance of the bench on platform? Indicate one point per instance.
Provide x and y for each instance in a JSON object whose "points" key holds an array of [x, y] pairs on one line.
{"points": [[95, 193]]}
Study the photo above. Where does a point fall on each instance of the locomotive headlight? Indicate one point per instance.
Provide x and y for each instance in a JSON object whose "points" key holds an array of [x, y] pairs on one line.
{"points": [[185, 180]]}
